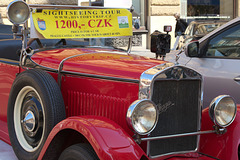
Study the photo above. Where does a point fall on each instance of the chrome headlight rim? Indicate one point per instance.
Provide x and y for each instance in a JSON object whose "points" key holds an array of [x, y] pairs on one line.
{"points": [[213, 110], [9, 9], [133, 107]]}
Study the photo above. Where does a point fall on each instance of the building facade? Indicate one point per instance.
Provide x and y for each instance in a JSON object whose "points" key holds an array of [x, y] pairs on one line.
{"points": [[154, 14]]}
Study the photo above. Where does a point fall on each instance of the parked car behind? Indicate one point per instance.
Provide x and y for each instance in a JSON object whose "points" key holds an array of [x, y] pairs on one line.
{"points": [[197, 29], [62, 98], [218, 60]]}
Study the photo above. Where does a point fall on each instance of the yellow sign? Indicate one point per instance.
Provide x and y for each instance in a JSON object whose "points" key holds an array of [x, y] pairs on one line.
{"points": [[84, 23]]}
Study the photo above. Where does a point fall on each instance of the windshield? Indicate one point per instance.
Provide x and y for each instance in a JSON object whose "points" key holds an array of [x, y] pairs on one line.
{"points": [[225, 44], [206, 28], [112, 43], [103, 27]]}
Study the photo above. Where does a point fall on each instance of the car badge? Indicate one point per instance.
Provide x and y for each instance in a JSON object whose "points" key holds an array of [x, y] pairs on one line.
{"points": [[41, 24], [164, 107]]}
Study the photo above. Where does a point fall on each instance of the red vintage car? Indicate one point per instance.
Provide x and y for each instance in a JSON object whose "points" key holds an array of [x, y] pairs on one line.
{"points": [[61, 99]]}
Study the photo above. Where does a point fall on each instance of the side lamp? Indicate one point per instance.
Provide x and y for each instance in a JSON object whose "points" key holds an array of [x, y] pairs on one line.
{"points": [[18, 12]]}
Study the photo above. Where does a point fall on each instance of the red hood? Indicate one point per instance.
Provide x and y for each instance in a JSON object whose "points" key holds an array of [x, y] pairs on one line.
{"points": [[96, 61]]}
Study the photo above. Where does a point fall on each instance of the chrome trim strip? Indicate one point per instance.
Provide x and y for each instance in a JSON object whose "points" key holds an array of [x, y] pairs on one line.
{"points": [[11, 62], [60, 67], [178, 135], [147, 78], [102, 77], [174, 153], [237, 79], [60, 71], [159, 72], [83, 74], [129, 45], [31, 64]]}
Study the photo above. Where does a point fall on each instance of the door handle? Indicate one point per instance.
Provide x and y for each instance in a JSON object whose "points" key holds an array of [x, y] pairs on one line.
{"points": [[237, 79]]}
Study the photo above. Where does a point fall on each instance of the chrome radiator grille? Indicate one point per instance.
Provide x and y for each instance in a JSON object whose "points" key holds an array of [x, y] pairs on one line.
{"points": [[178, 102]]}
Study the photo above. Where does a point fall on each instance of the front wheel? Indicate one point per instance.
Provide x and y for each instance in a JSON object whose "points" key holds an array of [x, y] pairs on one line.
{"points": [[79, 151], [35, 106]]}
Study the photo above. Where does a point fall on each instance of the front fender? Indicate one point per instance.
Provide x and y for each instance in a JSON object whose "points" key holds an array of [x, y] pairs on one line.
{"points": [[106, 137], [223, 146]]}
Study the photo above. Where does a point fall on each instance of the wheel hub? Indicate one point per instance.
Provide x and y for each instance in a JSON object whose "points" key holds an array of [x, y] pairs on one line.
{"points": [[32, 119], [29, 121]]}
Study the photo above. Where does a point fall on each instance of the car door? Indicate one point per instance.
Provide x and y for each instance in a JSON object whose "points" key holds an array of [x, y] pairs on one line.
{"points": [[220, 64], [9, 67]]}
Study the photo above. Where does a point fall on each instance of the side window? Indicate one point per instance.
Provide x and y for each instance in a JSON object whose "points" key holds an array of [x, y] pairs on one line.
{"points": [[226, 44], [202, 29], [192, 30], [199, 29]]}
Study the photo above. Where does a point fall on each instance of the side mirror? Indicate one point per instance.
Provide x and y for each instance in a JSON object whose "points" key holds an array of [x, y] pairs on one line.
{"points": [[136, 23], [192, 49]]}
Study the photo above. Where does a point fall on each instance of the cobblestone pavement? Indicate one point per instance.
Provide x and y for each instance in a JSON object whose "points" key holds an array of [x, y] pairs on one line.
{"points": [[143, 52]]}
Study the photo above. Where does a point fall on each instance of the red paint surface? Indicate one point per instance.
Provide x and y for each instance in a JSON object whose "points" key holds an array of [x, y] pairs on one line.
{"points": [[108, 139], [224, 146], [99, 97], [107, 101], [7, 76], [97, 61]]}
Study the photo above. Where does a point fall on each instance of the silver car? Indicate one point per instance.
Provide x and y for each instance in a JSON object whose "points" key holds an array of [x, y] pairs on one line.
{"points": [[217, 57], [198, 29]]}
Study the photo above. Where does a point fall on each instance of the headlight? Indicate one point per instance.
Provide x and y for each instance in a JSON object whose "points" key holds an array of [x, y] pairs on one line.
{"points": [[223, 110], [142, 116], [18, 12]]}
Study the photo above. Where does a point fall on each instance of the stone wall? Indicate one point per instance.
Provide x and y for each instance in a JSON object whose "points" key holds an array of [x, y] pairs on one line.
{"points": [[4, 4], [157, 7], [161, 14], [164, 7]]}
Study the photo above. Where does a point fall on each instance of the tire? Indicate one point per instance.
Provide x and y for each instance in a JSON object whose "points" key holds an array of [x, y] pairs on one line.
{"points": [[35, 106], [79, 151]]}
